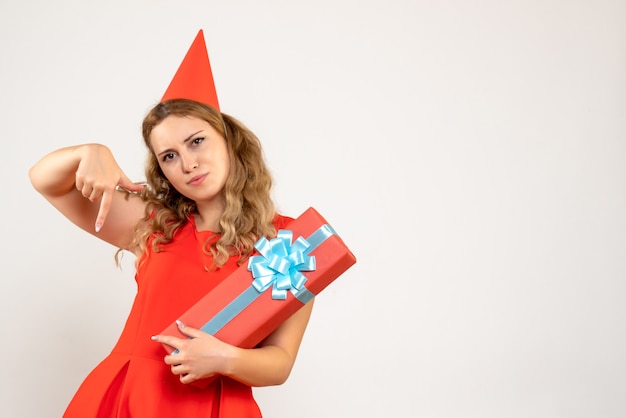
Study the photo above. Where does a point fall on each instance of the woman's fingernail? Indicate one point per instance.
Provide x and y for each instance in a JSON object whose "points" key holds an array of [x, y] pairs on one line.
{"points": [[154, 338], [98, 227], [180, 323]]}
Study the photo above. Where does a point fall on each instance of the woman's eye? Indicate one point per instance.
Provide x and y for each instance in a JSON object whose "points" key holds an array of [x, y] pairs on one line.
{"points": [[196, 141], [168, 157]]}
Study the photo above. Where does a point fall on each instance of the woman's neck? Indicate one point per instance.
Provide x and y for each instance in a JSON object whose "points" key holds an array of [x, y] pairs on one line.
{"points": [[208, 217]]}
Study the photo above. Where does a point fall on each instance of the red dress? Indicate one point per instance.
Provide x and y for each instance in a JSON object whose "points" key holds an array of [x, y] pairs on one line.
{"points": [[133, 381]]}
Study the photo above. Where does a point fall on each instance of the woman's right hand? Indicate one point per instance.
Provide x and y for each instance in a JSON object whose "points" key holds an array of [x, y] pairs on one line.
{"points": [[81, 182], [98, 176]]}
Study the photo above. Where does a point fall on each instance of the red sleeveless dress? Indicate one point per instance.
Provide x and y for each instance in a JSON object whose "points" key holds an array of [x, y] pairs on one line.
{"points": [[133, 381]]}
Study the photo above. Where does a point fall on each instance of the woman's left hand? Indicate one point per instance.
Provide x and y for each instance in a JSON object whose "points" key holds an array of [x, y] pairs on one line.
{"points": [[199, 357]]}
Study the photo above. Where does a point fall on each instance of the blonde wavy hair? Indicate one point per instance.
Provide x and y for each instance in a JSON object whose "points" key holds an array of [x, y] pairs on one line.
{"points": [[249, 209]]}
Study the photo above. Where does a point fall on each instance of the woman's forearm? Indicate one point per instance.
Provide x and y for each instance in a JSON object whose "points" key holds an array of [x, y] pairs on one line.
{"points": [[55, 174], [271, 363], [264, 366]]}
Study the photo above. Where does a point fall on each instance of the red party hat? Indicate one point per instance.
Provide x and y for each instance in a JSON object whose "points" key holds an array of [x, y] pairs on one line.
{"points": [[194, 78]]}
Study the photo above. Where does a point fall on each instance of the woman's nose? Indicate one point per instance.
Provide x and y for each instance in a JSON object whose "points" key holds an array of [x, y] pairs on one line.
{"points": [[189, 163]]}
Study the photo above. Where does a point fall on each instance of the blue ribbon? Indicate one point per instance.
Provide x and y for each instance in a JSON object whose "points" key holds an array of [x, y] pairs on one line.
{"points": [[279, 267]]}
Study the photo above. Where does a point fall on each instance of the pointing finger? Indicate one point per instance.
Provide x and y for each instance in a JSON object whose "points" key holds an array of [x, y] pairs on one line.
{"points": [[105, 205]]}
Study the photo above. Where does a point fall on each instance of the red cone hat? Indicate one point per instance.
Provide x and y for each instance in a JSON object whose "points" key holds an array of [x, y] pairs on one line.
{"points": [[194, 78]]}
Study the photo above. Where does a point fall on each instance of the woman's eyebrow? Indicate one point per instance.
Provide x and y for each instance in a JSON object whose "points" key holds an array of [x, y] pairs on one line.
{"points": [[191, 136], [184, 141]]}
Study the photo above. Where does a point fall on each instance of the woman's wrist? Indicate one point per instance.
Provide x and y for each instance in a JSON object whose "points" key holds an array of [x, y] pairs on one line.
{"points": [[228, 361]]}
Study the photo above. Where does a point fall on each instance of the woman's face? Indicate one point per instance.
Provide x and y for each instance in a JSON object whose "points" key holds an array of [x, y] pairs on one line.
{"points": [[193, 156]]}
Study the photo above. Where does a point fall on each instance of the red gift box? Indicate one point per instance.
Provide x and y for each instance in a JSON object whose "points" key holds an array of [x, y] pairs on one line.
{"points": [[284, 274]]}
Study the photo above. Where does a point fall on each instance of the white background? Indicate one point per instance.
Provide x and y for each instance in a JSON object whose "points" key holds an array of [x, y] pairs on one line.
{"points": [[471, 154]]}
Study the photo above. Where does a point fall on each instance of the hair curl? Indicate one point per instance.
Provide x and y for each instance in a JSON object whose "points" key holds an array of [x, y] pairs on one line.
{"points": [[248, 210]]}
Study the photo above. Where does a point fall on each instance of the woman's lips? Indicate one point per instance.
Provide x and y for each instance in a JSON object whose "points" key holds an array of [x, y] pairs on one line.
{"points": [[197, 180]]}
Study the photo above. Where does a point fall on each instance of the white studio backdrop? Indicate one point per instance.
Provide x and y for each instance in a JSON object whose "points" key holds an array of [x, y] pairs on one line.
{"points": [[471, 154]]}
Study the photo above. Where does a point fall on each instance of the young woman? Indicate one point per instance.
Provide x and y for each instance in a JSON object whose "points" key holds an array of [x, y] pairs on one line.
{"points": [[205, 204]]}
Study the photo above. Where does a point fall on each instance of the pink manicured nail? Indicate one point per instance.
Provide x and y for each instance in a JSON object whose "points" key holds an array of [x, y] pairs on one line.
{"points": [[180, 323]]}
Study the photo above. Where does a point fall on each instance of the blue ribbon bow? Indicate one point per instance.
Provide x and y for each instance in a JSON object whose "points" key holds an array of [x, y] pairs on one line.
{"points": [[280, 264]]}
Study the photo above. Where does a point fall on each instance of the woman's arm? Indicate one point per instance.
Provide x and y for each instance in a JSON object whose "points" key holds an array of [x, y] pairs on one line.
{"points": [[270, 364], [80, 181]]}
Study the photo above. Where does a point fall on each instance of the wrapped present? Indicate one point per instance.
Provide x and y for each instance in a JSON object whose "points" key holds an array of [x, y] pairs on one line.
{"points": [[285, 273]]}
